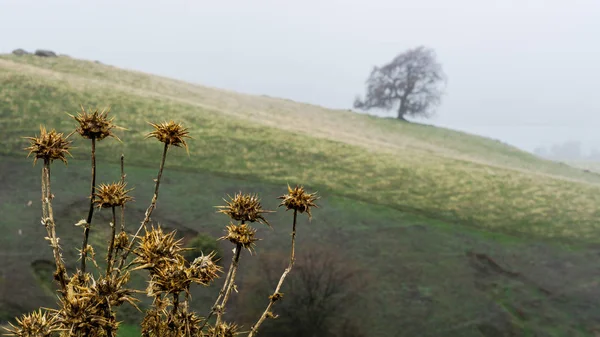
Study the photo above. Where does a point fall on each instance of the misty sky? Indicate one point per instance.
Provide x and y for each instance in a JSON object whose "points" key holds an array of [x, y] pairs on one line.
{"points": [[523, 71]]}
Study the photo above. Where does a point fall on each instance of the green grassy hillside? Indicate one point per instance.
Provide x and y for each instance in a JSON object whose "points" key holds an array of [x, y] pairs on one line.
{"points": [[420, 169], [461, 235]]}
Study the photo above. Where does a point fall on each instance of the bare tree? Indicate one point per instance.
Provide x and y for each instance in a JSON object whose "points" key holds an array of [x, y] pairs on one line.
{"points": [[320, 297], [412, 84]]}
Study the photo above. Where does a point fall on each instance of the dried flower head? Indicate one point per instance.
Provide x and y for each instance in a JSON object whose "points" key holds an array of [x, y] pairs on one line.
{"points": [[162, 322], [95, 125], [112, 195], [171, 278], [244, 207], [86, 308], [38, 323], [190, 322], [224, 330], [299, 200], [49, 146], [155, 248], [121, 241], [170, 133], [205, 269], [241, 234]]}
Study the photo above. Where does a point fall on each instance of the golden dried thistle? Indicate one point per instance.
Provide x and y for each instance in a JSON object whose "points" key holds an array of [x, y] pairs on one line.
{"points": [[112, 195], [205, 269], [190, 322], [156, 247], [86, 308], [170, 133], [243, 235], [244, 207], [299, 200], [95, 125], [172, 277], [49, 146], [223, 330], [121, 241], [38, 323]]}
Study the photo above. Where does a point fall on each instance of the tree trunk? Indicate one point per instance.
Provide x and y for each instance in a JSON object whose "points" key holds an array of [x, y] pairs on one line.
{"points": [[402, 111]]}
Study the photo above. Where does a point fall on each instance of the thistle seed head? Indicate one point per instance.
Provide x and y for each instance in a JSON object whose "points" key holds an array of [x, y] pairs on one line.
{"points": [[205, 269], [95, 125], [241, 234], [121, 241], [171, 278], [38, 323], [244, 207], [223, 330], [299, 200], [157, 248], [86, 308], [49, 146], [112, 195], [170, 133]]}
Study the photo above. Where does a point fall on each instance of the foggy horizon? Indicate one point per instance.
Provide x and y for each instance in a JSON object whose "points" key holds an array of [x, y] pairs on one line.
{"points": [[522, 72]]}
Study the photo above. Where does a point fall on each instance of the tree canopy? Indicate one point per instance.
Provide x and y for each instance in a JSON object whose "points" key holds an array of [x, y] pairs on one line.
{"points": [[412, 84]]}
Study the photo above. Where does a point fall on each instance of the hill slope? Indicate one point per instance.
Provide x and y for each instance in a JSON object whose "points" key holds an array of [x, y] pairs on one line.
{"points": [[449, 226], [426, 170]]}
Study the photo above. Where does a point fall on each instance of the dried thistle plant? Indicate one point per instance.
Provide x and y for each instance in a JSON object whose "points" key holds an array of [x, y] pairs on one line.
{"points": [[244, 207], [156, 248], [243, 235], [112, 195], [38, 323], [170, 133], [299, 200], [49, 146], [224, 330], [88, 302], [95, 125]]}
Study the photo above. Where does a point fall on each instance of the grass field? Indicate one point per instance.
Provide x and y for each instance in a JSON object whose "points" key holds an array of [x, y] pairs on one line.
{"points": [[464, 235]]}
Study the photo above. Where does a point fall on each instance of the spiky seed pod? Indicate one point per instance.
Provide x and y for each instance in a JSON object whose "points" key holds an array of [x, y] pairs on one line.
{"points": [[38, 323], [49, 146], [244, 207], [121, 241], [86, 308], [160, 322], [223, 330], [205, 269], [170, 133], [156, 247], [241, 234], [299, 200], [171, 278], [112, 195], [190, 322], [95, 125]]}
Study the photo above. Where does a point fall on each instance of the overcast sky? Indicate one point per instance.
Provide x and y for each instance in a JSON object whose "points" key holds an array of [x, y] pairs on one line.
{"points": [[523, 71]]}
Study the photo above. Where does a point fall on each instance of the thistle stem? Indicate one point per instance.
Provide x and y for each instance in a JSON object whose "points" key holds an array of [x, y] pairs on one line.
{"points": [[228, 286], [175, 304], [111, 247], [51, 227], [276, 293], [148, 211], [122, 181], [86, 231]]}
